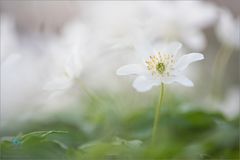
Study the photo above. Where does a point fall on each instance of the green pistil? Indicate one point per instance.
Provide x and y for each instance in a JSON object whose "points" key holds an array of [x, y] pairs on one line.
{"points": [[160, 68]]}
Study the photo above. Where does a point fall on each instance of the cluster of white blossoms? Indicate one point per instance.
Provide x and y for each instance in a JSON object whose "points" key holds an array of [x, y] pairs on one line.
{"points": [[181, 21], [161, 20], [161, 66], [116, 29], [102, 38]]}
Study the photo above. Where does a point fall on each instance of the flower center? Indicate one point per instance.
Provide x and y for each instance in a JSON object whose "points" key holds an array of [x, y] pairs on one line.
{"points": [[161, 64], [160, 67]]}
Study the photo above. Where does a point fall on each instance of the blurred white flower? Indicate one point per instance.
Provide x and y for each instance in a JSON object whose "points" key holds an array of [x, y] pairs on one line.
{"points": [[22, 76], [9, 39], [160, 65], [230, 106], [112, 22], [181, 21], [68, 57], [45, 18], [116, 22], [227, 29], [65, 79]]}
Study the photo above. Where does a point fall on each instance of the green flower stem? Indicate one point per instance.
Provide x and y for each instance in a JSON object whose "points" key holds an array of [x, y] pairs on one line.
{"points": [[157, 114]]}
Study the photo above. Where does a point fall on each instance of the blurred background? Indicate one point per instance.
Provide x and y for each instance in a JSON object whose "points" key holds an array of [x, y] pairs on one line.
{"points": [[58, 73]]}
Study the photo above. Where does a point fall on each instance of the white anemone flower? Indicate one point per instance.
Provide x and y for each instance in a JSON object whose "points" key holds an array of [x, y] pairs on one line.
{"points": [[160, 66]]}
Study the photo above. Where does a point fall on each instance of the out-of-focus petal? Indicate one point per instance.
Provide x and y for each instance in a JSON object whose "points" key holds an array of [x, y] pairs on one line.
{"points": [[227, 29], [172, 48], [131, 69], [143, 83], [73, 66], [194, 39], [187, 59], [58, 84], [198, 14], [143, 47]]}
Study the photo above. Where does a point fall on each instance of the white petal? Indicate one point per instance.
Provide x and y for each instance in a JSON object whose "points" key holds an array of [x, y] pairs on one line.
{"points": [[184, 81], [142, 83], [187, 59], [172, 48], [130, 69]]}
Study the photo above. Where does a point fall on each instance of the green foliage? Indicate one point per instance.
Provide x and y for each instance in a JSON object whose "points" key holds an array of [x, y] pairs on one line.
{"points": [[33, 145], [104, 133]]}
